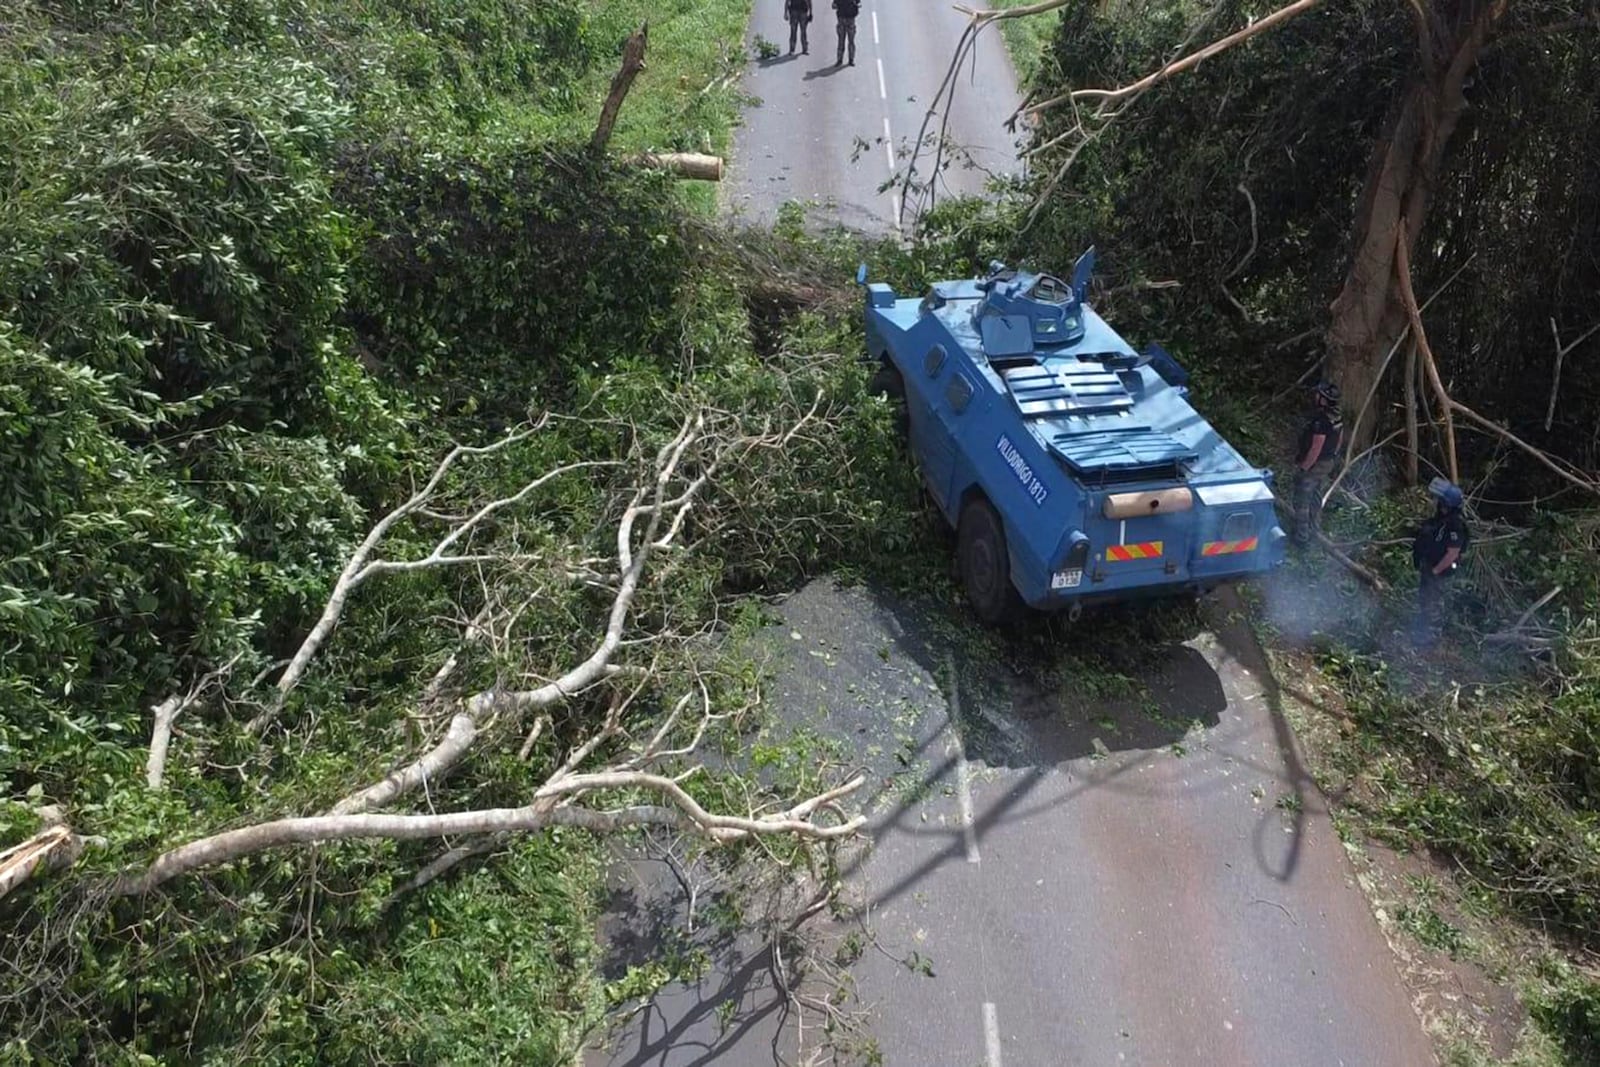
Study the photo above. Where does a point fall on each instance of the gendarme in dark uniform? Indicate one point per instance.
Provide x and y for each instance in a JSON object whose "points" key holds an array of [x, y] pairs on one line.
{"points": [[1321, 440], [846, 10], [798, 14], [1436, 551]]}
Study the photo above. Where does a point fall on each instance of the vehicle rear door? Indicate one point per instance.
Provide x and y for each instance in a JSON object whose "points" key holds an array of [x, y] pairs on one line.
{"points": [[1146, 531]]}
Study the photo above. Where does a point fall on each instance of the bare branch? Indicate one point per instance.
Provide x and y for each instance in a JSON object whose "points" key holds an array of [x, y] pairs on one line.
{"points": [[685, 814], [1449, 405], [356, 570], [435, 762], [475, 630], [1194, 59], [532, 739], [1522, 620], [155, 764], [1355, 568], [596, 668], [167, 712], [1403, 273], [1248, 256], [444, 863], [49, 849], [1561, 354], [621, 82]]}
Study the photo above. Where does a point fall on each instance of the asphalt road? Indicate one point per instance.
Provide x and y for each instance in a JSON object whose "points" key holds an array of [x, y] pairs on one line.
{"points": [[831, 136], [1146, 879], [1057, 873]]}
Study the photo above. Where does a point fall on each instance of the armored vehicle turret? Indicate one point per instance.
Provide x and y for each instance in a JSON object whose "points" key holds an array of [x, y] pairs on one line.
{"points": [[1073, 468]]}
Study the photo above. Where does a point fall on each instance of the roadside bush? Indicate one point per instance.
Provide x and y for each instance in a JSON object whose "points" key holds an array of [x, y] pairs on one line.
{"points": [[113, 577], [1568, 1008], [485, 281], [260, 261]]}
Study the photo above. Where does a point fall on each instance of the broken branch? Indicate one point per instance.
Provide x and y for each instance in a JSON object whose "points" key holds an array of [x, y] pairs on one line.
{"points": [[1561, 354], [684, 814], [362, 566], [1402, 266], [1194, 59], [1448, 404], [621, 82], [694, 166], [1355, 568]]}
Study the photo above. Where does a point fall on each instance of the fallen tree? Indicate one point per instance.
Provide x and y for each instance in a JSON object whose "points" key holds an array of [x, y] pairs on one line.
{"points": [[608, 781]]}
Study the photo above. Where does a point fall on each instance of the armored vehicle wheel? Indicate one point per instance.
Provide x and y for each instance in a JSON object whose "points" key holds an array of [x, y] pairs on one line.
{"points": [[986, 564], [887, 382]]}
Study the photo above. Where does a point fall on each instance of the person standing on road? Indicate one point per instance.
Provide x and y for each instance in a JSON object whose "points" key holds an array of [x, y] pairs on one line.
{"points": [[1320, 442], [798, 14], [846, 10], [1435, 552]]}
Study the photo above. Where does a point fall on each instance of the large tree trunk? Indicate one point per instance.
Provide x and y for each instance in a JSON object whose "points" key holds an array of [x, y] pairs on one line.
{"points": [[1368, 316]]}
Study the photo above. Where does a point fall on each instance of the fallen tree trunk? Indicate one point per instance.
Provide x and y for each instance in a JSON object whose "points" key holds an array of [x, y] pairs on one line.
{"points": [[51, 849], [692, 165]]}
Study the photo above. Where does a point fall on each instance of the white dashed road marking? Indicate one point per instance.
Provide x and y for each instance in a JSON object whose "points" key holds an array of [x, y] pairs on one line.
{"points": [[888, 138], [991, 1034]]}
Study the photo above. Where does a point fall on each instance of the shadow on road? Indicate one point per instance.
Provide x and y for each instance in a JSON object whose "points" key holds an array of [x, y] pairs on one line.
{"points": [[683, 1026], [778, 61], [1049, 692], [918, 697], [741, 999], [822, 72], [1243, 648], [1121, 691]]}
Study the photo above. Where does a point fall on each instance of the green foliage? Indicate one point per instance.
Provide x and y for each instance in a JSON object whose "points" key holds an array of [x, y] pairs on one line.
{"points": [[1244, 173], [113, 575], [491, 276], [259, 262], [1026, 40], [511, 934], [1568, 1007]]}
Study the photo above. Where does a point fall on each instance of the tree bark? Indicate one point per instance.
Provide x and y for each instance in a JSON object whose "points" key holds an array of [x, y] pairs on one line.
{"points": [[692, 165], [1419, 337], [1411, 413], [621, 82], [1368, 314], [551, 807]]}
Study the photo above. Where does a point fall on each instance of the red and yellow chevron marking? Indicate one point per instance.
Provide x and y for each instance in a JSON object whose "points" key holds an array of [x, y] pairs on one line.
{"points": [[1223, 548], [1142, 550]]}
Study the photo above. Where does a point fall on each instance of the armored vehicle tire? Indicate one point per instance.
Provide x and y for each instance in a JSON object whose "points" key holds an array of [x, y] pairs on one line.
{"points": [[887, 382], [986, 564]]}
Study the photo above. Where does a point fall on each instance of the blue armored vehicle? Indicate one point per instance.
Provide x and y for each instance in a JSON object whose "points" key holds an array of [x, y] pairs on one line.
{"points": [[1072, 467]]}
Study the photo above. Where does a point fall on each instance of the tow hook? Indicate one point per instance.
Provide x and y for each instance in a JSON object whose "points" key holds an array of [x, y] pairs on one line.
{"points": [[1075, 611]]}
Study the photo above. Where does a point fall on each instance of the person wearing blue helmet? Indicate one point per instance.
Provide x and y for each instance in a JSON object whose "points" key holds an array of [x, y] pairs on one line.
{"points": [[1436, 552]]}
